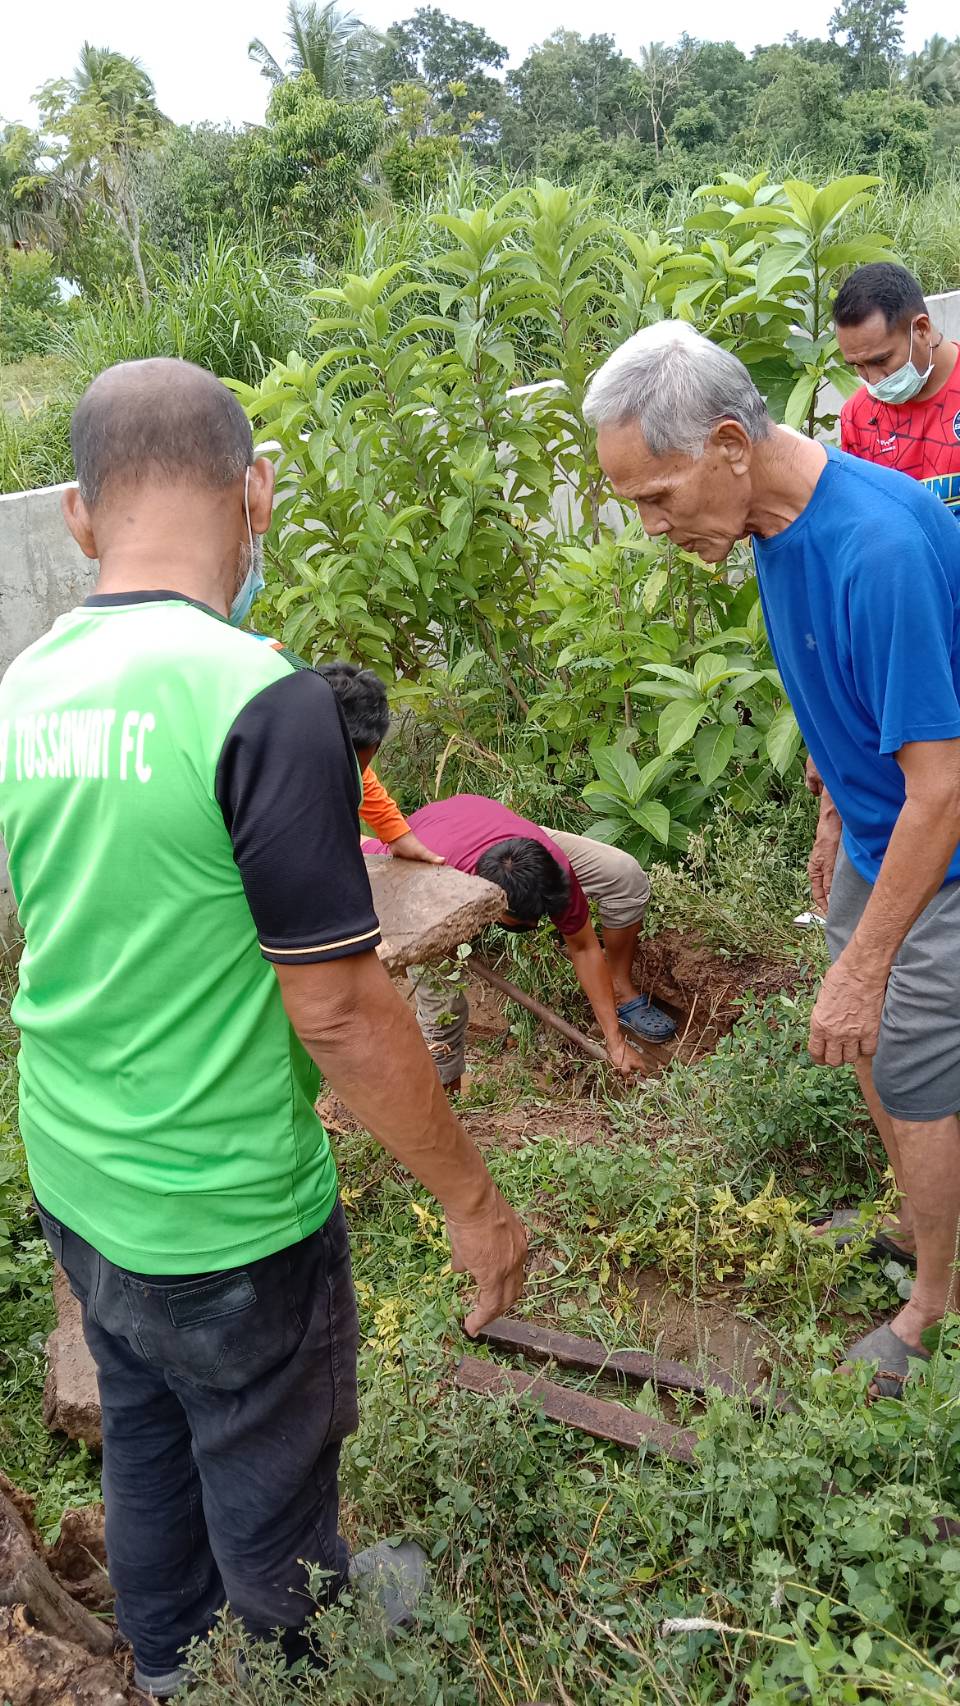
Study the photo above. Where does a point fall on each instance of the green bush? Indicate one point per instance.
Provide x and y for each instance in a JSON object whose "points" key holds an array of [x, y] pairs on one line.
{"points": [[416, 168], [30, 303], [445, 525]]}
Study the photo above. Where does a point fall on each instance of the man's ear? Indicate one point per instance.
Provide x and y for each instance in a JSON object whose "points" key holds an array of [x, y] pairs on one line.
{"points": [[77, 517], [263, 478], [733, 444], [922, 325]]}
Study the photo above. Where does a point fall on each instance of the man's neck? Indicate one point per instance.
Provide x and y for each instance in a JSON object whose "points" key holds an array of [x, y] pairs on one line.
{"points": [[944, 361], [785, 472], [136, 571]]}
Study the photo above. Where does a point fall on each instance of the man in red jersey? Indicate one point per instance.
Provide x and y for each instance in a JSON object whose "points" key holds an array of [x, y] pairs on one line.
{"points": [[907, 413]]}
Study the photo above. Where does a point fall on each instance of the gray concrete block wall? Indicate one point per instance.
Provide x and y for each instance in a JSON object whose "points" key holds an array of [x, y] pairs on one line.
{"points": [[42, 574]]}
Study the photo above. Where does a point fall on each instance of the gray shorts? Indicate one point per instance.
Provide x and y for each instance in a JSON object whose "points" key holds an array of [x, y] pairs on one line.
{"points": [[916, 1069]]}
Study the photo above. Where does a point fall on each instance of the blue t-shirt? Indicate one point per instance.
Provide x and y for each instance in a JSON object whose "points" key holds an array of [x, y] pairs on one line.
{"points": [[861, 596]]}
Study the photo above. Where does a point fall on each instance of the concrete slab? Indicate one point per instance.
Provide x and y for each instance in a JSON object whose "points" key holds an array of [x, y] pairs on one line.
{"points": [[71, 1401], [426, 911]]}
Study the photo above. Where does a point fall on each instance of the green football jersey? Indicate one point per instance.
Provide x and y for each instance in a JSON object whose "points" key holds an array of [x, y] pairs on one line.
{"points": [[179, 804]]}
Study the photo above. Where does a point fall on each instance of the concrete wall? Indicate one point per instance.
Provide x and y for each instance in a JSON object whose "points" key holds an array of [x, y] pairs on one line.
{"points": [[42, 574]]}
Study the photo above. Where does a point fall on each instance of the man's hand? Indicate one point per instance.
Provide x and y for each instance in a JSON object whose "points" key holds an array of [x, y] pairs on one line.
{"points": [[335, 1007], [622, 1057], [823, 858], [813, 778], [492, 1247], [410, 846], [845, 1022]]}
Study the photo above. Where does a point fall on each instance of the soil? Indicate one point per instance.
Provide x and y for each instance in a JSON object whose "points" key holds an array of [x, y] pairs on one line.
{"points": [[697, 1329], [701, 988], [79, 1558]]}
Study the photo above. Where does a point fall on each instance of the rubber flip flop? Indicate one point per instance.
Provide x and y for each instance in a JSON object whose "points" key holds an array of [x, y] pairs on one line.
{"points": [[893, 1355], [848, 1223], [645, 1020]]}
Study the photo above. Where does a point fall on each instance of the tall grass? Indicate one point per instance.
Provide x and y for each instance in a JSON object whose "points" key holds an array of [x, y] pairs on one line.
{"points": [[233, 307]]}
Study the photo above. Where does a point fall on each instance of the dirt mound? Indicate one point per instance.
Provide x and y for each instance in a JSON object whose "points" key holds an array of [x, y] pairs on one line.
{"points": [[696, 1330], [79, 1558], [53, 1651]]}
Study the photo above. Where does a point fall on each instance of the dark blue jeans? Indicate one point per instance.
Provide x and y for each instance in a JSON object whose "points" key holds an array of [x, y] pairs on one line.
{"points": [[225, 1397]]}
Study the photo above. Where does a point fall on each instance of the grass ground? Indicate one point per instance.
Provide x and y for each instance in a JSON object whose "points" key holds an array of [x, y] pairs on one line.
{"points": [[26, 385], [799, 1559]]}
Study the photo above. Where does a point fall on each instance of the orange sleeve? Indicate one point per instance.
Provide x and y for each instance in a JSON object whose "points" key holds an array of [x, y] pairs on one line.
{"points": [[380, 811]]}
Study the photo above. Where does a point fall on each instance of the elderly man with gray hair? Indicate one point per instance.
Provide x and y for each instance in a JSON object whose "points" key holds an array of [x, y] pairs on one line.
{"points": [[859, 575]]}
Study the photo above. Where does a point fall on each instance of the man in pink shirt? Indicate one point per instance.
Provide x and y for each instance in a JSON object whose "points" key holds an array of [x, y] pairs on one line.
{"points": [[543, 873]]}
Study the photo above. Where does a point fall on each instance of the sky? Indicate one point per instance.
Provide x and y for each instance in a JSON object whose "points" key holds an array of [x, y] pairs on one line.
{"points": [[197, 53]]}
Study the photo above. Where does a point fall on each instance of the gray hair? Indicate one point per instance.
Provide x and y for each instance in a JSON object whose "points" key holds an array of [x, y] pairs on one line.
{"points": [[676, 385]]}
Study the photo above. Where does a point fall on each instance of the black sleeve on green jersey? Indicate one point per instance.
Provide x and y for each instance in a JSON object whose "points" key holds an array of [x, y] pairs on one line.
{"points": [[288, 787]]}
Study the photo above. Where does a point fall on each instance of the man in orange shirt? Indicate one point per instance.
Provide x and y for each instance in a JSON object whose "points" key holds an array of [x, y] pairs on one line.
{"points": [[363, 700]]}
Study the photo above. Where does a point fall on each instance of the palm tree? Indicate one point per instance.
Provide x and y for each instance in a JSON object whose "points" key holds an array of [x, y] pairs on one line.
{"points": [[27, 204], [933, 74], [332, 44], [121, 84], [107, 117]]}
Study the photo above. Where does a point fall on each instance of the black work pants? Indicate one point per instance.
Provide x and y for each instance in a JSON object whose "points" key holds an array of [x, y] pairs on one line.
{"points": [[225, 1399]]}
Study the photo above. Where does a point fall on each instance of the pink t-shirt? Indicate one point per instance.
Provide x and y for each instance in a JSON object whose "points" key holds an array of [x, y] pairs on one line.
{"points": [[465, 826]]}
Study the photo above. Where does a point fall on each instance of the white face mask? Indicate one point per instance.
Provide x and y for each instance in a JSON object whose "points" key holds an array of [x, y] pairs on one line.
{"points": [[253, 582], [903, 385]]}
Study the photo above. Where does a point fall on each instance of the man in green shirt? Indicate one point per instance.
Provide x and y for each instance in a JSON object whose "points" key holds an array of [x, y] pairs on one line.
{"points": [[179, 804]]}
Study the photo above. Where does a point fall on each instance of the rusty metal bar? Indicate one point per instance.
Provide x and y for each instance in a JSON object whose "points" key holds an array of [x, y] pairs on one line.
{"points": [[546, 1014], [567, 1350], [595, 1416]]}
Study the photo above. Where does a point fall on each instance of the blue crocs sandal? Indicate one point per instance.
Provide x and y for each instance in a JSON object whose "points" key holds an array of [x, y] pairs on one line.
{"points": [[643, 1019]]}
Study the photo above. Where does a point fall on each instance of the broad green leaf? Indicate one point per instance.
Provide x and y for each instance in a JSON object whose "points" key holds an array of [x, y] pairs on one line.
{"points": [[683, 677], [775, 263], [712, 751], [708, 665], [608, 830], [775, 215], [654, 817], [854, 253], [652, 588], [463, 667], [783, 740], [836, 198], [679, 722], [800, 399], [801, 197], [618, 768], [650, 772]]}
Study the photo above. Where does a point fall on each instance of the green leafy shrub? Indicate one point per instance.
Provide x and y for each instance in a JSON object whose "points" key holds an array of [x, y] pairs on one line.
{"points": [[442, 515], [30, 303]]}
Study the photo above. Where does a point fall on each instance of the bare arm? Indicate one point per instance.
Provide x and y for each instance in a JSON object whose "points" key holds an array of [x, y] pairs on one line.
{"points": [[846, 1019], [593, 975], [365, 1040], [826, 844]]}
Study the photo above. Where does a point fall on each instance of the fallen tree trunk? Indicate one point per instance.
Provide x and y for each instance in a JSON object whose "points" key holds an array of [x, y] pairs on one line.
{"points": [[42, 1670], [26, 1580]]}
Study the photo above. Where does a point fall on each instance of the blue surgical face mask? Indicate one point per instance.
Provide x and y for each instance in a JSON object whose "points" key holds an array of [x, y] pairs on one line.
{"points": [[253, 582], [903, 385]]}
